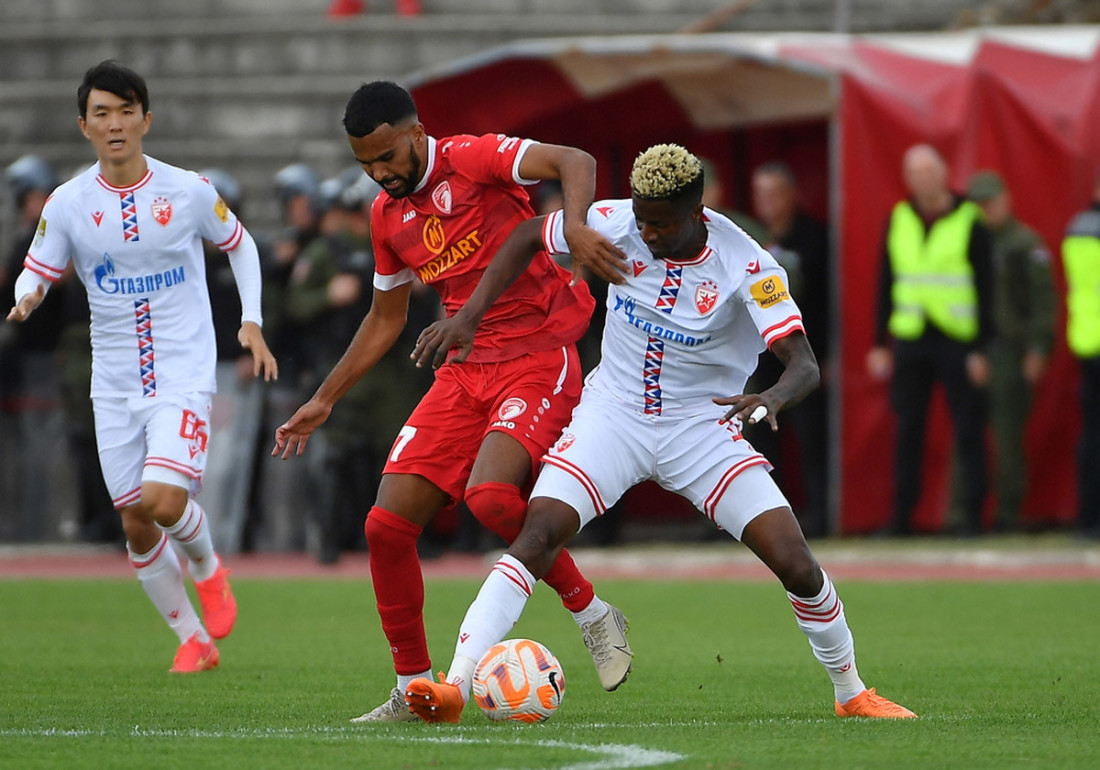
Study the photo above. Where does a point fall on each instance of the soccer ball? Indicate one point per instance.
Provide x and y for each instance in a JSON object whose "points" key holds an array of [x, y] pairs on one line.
{"points": [[518, 680]]}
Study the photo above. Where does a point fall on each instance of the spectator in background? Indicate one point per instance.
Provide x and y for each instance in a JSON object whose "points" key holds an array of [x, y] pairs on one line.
{"points": [[714, 196], [1022, 336], [800, 244], [29, 375], [1081, 259], [934, 325], [229, 485]]}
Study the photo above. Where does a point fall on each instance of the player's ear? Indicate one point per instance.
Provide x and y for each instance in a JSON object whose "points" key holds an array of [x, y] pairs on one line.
{"points": [[83, 125], [146, 120]]}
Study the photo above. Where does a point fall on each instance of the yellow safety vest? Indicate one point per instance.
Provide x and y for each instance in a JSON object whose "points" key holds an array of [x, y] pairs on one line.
{"points": [[933, 277], [1081, 258]]}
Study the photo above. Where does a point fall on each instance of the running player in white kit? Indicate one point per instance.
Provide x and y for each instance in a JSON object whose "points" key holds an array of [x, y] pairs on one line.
{"points": [[133, 228], [699, 301]]}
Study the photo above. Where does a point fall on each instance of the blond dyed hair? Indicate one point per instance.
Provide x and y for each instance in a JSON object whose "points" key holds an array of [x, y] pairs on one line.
{"points": [[664, 171]]}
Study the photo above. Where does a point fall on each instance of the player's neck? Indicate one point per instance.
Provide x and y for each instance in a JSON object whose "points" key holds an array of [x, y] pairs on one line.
{"points": [[123, 173], [694, 247]]}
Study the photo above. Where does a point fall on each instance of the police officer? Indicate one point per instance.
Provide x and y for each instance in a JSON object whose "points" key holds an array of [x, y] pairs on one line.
{"points": [[1081, 259], [935, 306], [1022, 337]]}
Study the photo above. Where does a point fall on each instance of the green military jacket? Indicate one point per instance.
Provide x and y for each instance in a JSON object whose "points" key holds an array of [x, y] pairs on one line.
{"points": [[1024, 301]]}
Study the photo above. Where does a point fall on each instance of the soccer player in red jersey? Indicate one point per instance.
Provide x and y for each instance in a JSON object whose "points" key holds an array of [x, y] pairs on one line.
{"points": [[479, 432]]}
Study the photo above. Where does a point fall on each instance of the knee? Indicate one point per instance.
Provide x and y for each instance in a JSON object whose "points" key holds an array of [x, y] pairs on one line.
{"points": [[164, 503], [138, 526], [800, 573], [540, 540], [387, 531], [499, 507]]}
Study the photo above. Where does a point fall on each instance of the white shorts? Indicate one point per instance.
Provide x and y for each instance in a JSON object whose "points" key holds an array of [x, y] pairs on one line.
{"points": [[159, 439], [608, 448]]}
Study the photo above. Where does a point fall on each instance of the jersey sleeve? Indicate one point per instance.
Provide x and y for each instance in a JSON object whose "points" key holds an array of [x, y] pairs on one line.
{"points": [[599, 219], [216, 222], [768, 300], [490, 159], [51, 249], [389, 270]]}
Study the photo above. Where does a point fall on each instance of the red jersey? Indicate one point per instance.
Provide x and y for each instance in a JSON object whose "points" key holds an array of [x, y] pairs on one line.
{"points": [[447, 231]]}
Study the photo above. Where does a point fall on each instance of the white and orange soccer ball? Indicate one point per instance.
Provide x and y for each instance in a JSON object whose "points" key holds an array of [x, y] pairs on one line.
{"points": [[518, 680]]}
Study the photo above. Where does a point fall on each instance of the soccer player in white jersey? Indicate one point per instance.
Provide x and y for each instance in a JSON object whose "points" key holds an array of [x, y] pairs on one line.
{"points": [[698, 303], [133, 228]]}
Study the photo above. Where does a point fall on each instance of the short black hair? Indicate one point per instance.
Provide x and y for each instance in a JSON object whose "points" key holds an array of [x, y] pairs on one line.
{"points": [[778, 168], [114, 78], [375, 104]]}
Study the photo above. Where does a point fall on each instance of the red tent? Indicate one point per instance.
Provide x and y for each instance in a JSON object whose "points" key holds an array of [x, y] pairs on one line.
{"points": [[840, 110]]}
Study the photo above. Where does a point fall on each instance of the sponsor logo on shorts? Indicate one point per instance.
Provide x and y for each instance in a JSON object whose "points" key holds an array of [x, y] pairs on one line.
{"points": [[769, 291], [512, 408]]}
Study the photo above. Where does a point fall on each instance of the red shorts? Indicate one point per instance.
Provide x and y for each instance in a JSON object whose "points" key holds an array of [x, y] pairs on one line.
{"points": [[530, 398]]}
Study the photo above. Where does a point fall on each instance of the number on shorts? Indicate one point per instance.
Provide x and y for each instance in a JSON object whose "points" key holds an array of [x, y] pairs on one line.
{"points": [[404, 436]]}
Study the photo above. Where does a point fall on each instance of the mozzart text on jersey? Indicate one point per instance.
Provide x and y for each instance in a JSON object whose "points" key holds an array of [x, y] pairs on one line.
{"points": [[626, 308], [105, 279]]}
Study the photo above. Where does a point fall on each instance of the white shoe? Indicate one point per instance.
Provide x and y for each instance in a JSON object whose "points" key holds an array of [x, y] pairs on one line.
{"points": [[606, 640], [393, 710]]}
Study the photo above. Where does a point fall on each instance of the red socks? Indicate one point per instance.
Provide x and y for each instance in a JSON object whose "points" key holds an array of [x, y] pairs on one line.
{"points": [[398, 588], [500, 507]]}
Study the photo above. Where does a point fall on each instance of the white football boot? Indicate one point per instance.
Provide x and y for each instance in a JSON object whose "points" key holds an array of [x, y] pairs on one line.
{"points": [[606, 640], [393, 710]]}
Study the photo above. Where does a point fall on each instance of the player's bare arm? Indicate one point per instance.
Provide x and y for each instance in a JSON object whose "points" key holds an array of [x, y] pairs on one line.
{"points": [[263, 360], [379, 331], [800, 377], [26, 305], [508, 263], [577, 171]]}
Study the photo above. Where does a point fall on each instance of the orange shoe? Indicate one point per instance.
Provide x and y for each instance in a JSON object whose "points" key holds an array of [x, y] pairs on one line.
{"points": [[868, 704], [434, 702], [195, 655], [219, 608]]}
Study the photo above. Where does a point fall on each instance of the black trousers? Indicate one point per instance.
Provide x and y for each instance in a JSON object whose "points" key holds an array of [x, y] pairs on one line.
{"points": [[1088, 450], [918, 365]]}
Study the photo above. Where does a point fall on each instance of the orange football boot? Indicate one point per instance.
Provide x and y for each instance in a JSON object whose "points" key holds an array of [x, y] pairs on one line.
{"points": [[195, 655], [869, 704], [435, 702], [219, 608]]}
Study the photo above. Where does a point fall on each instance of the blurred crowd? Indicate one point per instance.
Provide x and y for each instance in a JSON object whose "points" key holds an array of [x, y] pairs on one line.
{"points": [[317, 288]]}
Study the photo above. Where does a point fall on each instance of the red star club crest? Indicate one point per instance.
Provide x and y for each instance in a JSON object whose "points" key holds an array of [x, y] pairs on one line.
{"points": [[162, 211], [706, 294]]}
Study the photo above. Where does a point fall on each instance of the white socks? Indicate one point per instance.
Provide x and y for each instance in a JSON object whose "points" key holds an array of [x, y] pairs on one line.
{"points": [[821, 619], [160, 575], [496, 609], [193, 535], [404, 679], [595, 610]]}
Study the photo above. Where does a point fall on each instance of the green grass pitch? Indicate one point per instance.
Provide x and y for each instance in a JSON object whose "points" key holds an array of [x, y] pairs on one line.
{"points": [[1003, 675]]}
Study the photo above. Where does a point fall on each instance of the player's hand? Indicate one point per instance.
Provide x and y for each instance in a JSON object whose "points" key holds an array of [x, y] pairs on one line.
{"points": [[590, 249], [745, 408], [252, 340], [295, 432], [437, 340], [26, 305]]}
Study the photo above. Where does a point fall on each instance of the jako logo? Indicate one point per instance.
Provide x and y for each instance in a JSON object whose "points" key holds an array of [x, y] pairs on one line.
{"points": [[512, 408]]}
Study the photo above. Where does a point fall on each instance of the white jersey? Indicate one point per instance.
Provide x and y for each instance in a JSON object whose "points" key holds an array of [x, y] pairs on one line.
{"points": [[138, 251], [680, 333]]}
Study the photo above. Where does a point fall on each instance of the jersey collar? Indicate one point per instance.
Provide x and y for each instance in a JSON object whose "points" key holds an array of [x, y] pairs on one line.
{"points": [[129, 188], [431, 166]]}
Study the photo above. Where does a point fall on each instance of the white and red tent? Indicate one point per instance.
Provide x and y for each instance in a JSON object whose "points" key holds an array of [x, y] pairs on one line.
{"points": [[840, 110]]}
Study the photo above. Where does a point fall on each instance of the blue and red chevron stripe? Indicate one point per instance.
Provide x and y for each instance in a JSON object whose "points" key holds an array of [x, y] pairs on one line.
{"points": [[129, 217], [651, 374], [144, 324], [670, 289]]}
